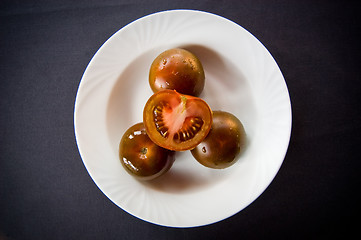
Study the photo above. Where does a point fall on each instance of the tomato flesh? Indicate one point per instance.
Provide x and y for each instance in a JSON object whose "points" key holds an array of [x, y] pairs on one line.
{"points": [[175, 121]]}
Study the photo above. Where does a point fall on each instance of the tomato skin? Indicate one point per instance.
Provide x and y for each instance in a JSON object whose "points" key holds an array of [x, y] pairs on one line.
{"points": [[141, 157], [177, 69], [224, 143], [186, 120]]}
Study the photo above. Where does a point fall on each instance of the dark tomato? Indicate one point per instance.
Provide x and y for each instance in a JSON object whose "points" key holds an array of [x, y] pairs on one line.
{"points": [[177, 69], [224, 143], [141, 157], [175, 121]]}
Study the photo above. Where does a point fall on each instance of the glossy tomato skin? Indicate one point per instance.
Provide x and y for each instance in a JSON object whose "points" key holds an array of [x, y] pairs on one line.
{"points": [[176, 121], [177, 69], [224, 143], [141, 157]]}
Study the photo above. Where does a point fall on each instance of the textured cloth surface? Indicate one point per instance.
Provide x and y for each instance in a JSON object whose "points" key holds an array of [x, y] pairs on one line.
{"points": [[45, 190]]}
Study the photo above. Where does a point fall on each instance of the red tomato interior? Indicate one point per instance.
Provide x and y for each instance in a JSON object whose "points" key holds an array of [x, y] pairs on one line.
{"points": [[175, 121]]}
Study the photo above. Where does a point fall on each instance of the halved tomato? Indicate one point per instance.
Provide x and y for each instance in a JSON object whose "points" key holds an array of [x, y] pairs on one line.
{"points": [[175, 121]]}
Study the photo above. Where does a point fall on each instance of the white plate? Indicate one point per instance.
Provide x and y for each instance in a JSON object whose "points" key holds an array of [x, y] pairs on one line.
{"points": [[241, 78]]}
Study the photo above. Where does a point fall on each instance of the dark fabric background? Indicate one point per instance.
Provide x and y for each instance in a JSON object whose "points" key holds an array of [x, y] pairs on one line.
{"points": [[45, 190]]}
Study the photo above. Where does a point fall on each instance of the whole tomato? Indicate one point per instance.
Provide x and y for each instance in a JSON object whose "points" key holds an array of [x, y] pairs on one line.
{"points": [[177, 69], [141, 157], [224, 143]]}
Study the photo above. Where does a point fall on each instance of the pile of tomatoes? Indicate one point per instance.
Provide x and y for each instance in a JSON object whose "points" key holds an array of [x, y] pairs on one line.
{"points": [[176, 119]]}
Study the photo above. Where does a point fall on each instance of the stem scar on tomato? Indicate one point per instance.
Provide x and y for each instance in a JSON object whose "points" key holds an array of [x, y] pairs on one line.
{"points": [[176, 121]]}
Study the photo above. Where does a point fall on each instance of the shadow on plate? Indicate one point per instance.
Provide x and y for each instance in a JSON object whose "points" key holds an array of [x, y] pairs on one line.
{"points": [[187, 176]]}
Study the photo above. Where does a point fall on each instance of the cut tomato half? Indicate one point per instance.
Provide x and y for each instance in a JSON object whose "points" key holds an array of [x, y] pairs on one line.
{"points": [[175, 121]]}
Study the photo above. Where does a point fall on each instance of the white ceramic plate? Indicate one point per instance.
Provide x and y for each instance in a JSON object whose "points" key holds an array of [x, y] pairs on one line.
{"points": [[241, 78]]}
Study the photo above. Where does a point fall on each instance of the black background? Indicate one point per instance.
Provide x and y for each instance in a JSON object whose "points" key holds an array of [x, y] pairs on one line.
{"points": [[45, 190]]}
